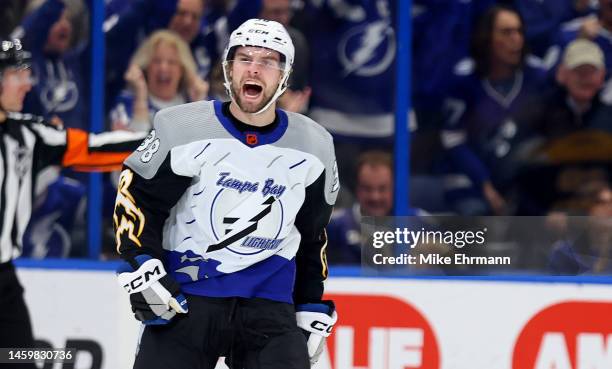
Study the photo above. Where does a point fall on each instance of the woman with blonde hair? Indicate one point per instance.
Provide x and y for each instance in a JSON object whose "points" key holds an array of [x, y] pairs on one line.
{"points": [[162, 73]]}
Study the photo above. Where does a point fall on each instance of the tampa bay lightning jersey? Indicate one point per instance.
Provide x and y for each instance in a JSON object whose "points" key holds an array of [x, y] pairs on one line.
{"points": [[231, 212], [483, 127], [441, 36], [355, 46]]}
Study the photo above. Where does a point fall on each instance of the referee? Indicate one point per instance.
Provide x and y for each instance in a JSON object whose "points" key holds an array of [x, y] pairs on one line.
{"points": [[28, 144]]}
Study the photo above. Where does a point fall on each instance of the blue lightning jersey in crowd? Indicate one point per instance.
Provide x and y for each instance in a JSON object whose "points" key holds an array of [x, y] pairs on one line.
{"points": [[486, 120], [441, 36], [231, 211], [353, 69], [61, 80]]}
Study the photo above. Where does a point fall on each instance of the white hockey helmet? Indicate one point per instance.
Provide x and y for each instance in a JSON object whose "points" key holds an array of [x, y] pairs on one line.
{"points": [[261, 33]]}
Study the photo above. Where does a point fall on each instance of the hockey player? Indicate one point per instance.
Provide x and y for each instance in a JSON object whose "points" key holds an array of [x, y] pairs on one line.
{"points": [[220, 217], [27, 146]]}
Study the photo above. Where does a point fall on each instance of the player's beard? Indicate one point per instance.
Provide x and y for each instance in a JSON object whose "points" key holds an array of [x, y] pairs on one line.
{"points": [[248, 108]]}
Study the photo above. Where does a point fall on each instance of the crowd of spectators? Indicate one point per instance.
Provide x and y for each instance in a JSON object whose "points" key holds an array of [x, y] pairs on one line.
{"points": [[512, 99]]}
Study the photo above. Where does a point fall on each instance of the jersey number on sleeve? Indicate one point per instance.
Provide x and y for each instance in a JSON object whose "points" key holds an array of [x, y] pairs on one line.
{"points": [[148, 147]]}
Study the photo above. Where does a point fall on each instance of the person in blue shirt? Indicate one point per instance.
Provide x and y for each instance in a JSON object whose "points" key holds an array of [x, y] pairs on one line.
{"points": [[61, 71], [488, 114], [441, 38], [353, 47]]}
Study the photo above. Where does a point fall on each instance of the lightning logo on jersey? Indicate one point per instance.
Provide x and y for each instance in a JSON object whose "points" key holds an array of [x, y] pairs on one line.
{"points": [[242, 226]]}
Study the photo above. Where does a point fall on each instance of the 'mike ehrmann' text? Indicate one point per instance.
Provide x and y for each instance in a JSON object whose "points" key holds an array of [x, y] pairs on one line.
{"points": [[437, 259]]}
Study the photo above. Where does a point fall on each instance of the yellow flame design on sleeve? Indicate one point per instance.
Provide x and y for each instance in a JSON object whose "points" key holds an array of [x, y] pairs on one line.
{"points": [[131, 219]]}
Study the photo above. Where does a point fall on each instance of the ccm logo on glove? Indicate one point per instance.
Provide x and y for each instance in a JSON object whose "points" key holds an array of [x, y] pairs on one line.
{"points": [[155, 297], [151, 271], [321, 327]]}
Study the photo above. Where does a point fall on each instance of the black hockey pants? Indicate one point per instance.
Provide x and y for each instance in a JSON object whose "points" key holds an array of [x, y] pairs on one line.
{"points": [[251, 333]]}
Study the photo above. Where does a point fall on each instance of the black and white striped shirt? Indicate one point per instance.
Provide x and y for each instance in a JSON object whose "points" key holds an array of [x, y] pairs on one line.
{"points": [[27, 146]]}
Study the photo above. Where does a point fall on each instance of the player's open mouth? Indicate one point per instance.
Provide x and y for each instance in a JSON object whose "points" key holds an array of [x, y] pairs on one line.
{"points": [[252, 90]]}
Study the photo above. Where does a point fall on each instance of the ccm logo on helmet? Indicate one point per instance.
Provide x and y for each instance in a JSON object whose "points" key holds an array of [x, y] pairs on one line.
{"points": [[143, 278], [320, 326], [260, 31]]}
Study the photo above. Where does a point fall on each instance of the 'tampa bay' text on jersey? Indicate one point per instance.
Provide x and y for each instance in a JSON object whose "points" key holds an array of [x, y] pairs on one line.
{"points": [[232, 213]]}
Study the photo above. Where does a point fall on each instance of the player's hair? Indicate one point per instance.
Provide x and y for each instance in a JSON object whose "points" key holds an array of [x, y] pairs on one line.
{"points": [[480, 45], [144, 54], [374, 158]]}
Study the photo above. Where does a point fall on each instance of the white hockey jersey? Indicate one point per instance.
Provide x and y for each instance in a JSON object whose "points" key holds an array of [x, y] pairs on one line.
{"points": [[231, 211]]}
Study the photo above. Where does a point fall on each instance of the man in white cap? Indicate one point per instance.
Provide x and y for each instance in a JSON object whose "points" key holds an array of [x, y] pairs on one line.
{"points": [[220, 218], [579, 102]]}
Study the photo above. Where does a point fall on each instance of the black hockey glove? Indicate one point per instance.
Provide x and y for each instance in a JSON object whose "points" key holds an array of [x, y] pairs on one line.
{"points": [[154, 295], [316, 321]]}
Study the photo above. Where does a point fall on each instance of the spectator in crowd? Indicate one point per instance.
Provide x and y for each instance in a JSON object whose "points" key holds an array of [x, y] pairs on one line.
{"points": [[162, 74], [125, 31], [59, 69], [591, 251], [488, 114], [441, 38], [352, 76], [297, 95], [543, 19], [577, 104], [571, 133], [596, 28], [374, 193]]}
